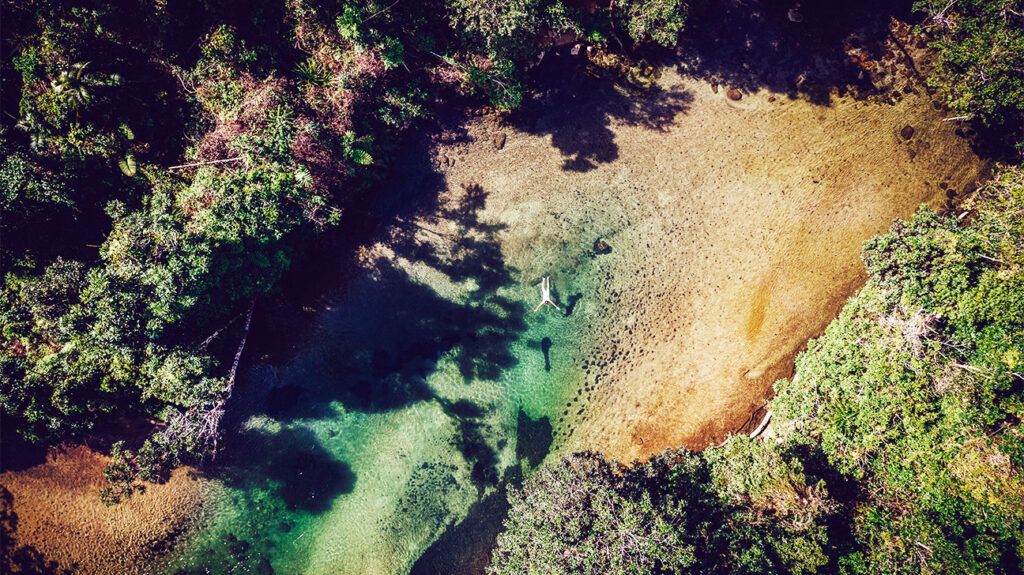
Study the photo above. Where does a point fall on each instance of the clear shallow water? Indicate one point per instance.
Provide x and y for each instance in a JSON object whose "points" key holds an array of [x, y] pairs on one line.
{"points": [[386, 445]]}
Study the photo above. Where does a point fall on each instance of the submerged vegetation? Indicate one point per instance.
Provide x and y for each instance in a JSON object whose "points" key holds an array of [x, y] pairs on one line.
{"points": [[163, 166]]}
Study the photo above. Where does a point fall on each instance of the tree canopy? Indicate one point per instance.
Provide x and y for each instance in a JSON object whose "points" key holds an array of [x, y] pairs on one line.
{"points": [[980, 64]]}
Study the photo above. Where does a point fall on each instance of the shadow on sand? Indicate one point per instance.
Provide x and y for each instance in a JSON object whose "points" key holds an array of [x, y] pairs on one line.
{"points": [[793, 48], [578, 111], [18, 558], [743, 45]]}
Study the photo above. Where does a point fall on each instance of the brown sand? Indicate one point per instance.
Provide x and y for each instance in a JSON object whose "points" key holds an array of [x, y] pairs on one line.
{"points": [[59, 513], [736, 228]]}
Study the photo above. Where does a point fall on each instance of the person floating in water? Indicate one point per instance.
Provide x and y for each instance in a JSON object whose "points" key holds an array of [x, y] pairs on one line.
{"points": [[545, 294]]}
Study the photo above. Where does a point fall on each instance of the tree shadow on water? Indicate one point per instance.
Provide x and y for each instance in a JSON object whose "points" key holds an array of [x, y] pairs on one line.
{"points": [[533, 439], [383, 339], [292, 464], [432, 294], [472, 441], [466, 546], [570, 304], [545, 348], [472, 252], [379, 348]]}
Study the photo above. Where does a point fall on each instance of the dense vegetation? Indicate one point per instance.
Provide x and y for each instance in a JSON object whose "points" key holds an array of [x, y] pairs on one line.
{"points": [[980, 68], [747, 508]]}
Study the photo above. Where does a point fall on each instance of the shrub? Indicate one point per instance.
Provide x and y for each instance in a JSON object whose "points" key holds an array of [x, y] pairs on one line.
{"points": [[980, 45]]}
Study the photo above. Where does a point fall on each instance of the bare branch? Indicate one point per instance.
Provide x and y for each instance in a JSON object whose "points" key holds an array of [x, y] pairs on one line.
{"points": [[206, 163]]}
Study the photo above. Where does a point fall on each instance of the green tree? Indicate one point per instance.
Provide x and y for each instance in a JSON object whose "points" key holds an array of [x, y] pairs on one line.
{"points": [[575, 517], [980, 46], [661, 21], [498, 26], [914, 392]]}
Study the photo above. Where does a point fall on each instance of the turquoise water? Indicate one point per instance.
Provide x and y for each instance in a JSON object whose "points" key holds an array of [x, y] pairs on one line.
{"points": [[387, 443]]}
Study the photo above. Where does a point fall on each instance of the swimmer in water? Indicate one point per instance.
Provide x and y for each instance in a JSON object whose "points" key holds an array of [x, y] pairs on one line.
{"points": [[545, 294]]}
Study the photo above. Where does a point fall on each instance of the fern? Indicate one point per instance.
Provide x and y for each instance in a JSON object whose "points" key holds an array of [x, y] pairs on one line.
{"points": [[312, 72], [356, 149]]}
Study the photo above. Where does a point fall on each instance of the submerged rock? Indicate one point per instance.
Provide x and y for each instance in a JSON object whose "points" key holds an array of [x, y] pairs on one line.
{"points": [[602, 247], [499, 140], [907, 132]]}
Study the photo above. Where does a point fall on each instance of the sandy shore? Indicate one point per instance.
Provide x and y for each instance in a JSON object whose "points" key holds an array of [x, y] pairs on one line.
{"points": [[736, 229], [59, 514]]}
